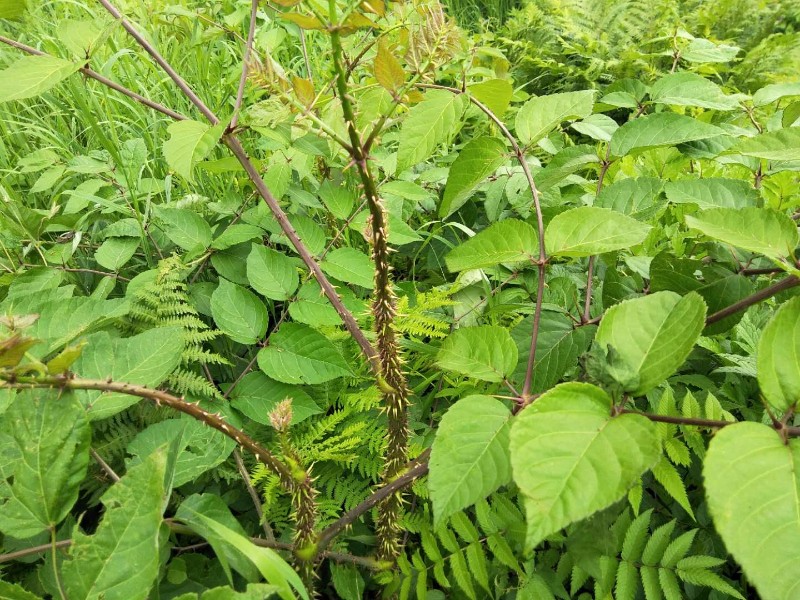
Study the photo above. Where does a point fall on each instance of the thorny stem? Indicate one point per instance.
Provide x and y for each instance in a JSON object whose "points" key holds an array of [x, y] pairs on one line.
{"points": [[542, 262], [392, 381], [251, 32], [235, 146], [91, 74], [776, 288], [419, 468]]}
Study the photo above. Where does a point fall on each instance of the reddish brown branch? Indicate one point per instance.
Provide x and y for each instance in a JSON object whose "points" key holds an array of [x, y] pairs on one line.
{"points": [[776, 288]]}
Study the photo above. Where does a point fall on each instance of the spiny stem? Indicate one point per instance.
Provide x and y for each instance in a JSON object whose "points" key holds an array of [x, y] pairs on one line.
{"points": [[392, 380]]}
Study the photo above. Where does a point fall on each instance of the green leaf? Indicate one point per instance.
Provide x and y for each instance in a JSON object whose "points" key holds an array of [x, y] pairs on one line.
{"points": [[189, 143], [52, 436], [752, 479], [495, 94], [185, 228], [589, 230], [660, 129], [351, 266], [770, 93], [570, 458], [598, 127], [431, 122], [783, 144], [12, 9], [639, 198], [477, 160], [214, 508], [300, 354], [337, 198], [761, 230], [469, 459], [79, 36], [268, 562], [690, 89], [239, 313], [145, 359], [715, 192], [257, 395], [11, 591], [120, 560], [540, 115], [200, 448], [114, 253], [778, 355], [558, 348], [569, 160], [31, 76], [271, 273], [238, 233], [509, 241], [652, 335], [486, 352]]}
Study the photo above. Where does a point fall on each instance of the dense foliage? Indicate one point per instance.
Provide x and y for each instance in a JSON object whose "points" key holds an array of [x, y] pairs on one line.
{"points": [[339, 298]]}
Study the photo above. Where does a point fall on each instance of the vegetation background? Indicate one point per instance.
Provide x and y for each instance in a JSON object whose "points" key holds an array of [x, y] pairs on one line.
{"points": [[525, 263]]}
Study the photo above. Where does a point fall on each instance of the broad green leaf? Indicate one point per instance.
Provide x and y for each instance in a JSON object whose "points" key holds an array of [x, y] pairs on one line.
{"points": [[508, 241], [400, 232], [783, 144], [235, 234], [200, 448], [590, 230], [120, 560], [62, 321], [312, 307], [351, 266], [770, 93], [12, 9], [761, 230], [539, 116], [337, 198], [652, 335], [469, 459], [567, 161], [752, 480], [268, 562], [185, 228], [477, 160], [495, 94], [660, 129], [79, 36], [271, 273], [300, 354], [715, 192], [558, 348], [239, 313], [778, 355], [639, 198], [52, 436], [33, 75], [701, 50], [486, 352], [145, 359], [597, 126], [432, 122], [570, 458], [791, 115], [214, 508], [257, 395], [115, 252], [189, 143], [12, 591], [690, 89]]}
